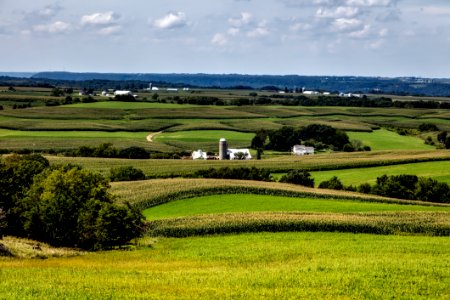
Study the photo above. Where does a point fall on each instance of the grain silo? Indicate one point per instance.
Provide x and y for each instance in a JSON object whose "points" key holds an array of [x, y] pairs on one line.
{"points": [[223, 149]]}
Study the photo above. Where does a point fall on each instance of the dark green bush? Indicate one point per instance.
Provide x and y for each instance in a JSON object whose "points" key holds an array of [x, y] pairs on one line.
{"points": [[126, 174], [333, 184], [298, 177]]}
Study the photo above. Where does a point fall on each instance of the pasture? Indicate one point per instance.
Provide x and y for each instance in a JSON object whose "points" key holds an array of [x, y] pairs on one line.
{"points": [[387, 140], [217, 204], [246, 266], [439, 171]]}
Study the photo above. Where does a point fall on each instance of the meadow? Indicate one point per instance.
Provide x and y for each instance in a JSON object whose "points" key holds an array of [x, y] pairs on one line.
{"points": [[439, 171], [246, 266], [217, 204], [387, 140]]}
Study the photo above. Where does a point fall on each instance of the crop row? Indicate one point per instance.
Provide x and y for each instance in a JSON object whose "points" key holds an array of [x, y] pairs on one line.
{"points": [[401, 223], [148, 193]]}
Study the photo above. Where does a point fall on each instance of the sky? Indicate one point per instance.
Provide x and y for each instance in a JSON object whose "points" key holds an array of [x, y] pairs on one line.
{"points": [[319, 37]]}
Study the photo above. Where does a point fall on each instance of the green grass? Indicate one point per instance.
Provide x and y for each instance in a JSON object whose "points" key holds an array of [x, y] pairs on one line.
{"points": [[436, 170], [252, 203], [130, 105], [6, 133], [387, 140], [247, 266], [206, 136]]}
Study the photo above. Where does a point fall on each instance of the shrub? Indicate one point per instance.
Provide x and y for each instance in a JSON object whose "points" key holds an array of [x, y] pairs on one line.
{"points": [[126, 174], [333, 184], [298, 177], [235, 173], [427, 127]]}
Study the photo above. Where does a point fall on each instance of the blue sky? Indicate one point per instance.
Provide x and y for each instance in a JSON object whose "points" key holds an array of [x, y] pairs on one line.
{"points": [[317, 37]]}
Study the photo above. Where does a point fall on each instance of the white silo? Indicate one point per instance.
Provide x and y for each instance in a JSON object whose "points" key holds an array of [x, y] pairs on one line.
{"points": [[223, 149]]}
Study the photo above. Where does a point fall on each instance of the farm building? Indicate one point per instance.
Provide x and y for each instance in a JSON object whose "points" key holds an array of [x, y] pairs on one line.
{"points": [[199, 154], [123, 93], [239, 154], [302, 150], [226, 153]]}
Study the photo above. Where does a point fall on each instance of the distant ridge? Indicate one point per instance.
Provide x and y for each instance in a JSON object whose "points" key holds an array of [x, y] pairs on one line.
{"points": [[354, 84], [18, 74]]}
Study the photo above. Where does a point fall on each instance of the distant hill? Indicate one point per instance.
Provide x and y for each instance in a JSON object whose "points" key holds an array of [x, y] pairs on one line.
{"points": [[17, 74], [354, 84]]}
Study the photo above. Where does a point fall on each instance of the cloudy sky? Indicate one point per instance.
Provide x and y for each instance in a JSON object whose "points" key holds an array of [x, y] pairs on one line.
{"points": [[317, 37]]}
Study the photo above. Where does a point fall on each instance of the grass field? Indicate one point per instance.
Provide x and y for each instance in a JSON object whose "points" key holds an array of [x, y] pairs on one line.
{"points": [[252, 203], [246, 266], [387, 140], [436, 170]]}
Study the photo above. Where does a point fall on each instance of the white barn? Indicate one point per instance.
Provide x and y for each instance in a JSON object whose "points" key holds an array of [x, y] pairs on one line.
{"points": [[232, 153], [302, 150], [199, 154]]}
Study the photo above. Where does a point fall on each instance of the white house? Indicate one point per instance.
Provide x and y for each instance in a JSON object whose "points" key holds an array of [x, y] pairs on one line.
{"points": [[199, 154], [302, 150], [233, 153], [311, 93]]}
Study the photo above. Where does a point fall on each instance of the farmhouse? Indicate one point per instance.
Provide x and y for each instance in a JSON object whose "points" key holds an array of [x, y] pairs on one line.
{"points": [[302, 150]]}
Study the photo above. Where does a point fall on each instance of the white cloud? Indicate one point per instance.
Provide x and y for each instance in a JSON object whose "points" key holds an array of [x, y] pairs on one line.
{"points": [[53, 28], [369, 2], [359, 34], [114, 29], [244, 19], [299, 27], [234, 31], [259, 31], [171, 21], [338, 12], [49, 11], [100, 19], [343, 24], [219, 39], [383, 32]]}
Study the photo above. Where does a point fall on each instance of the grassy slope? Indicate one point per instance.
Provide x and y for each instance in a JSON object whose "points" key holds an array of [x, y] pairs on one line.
{"points": [[436, 170], [247, 266], [252, 203], [387, 140]]}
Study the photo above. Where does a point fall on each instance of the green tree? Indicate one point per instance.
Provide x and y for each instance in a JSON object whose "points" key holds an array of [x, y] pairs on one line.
{"points": [[333, 184], [298, 177], [431, 190], [126, 174], [16, 176], [442, 136], [65, 206]]}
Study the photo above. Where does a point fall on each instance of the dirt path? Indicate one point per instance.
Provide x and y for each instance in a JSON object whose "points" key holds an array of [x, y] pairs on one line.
{"points": [[152, 135]]}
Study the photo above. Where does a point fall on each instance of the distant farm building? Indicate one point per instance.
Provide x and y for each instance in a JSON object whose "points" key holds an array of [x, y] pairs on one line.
{"points": [[242, 154], [226, 153], [199, 154], [123, 93], [302, 150]]}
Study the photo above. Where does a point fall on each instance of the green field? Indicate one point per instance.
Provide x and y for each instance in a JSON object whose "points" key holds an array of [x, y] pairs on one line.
{"points": [[208, 136], [387, 140], [436, 170], [247, 266], [130, 105], [5, 133], [252, 203]]}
